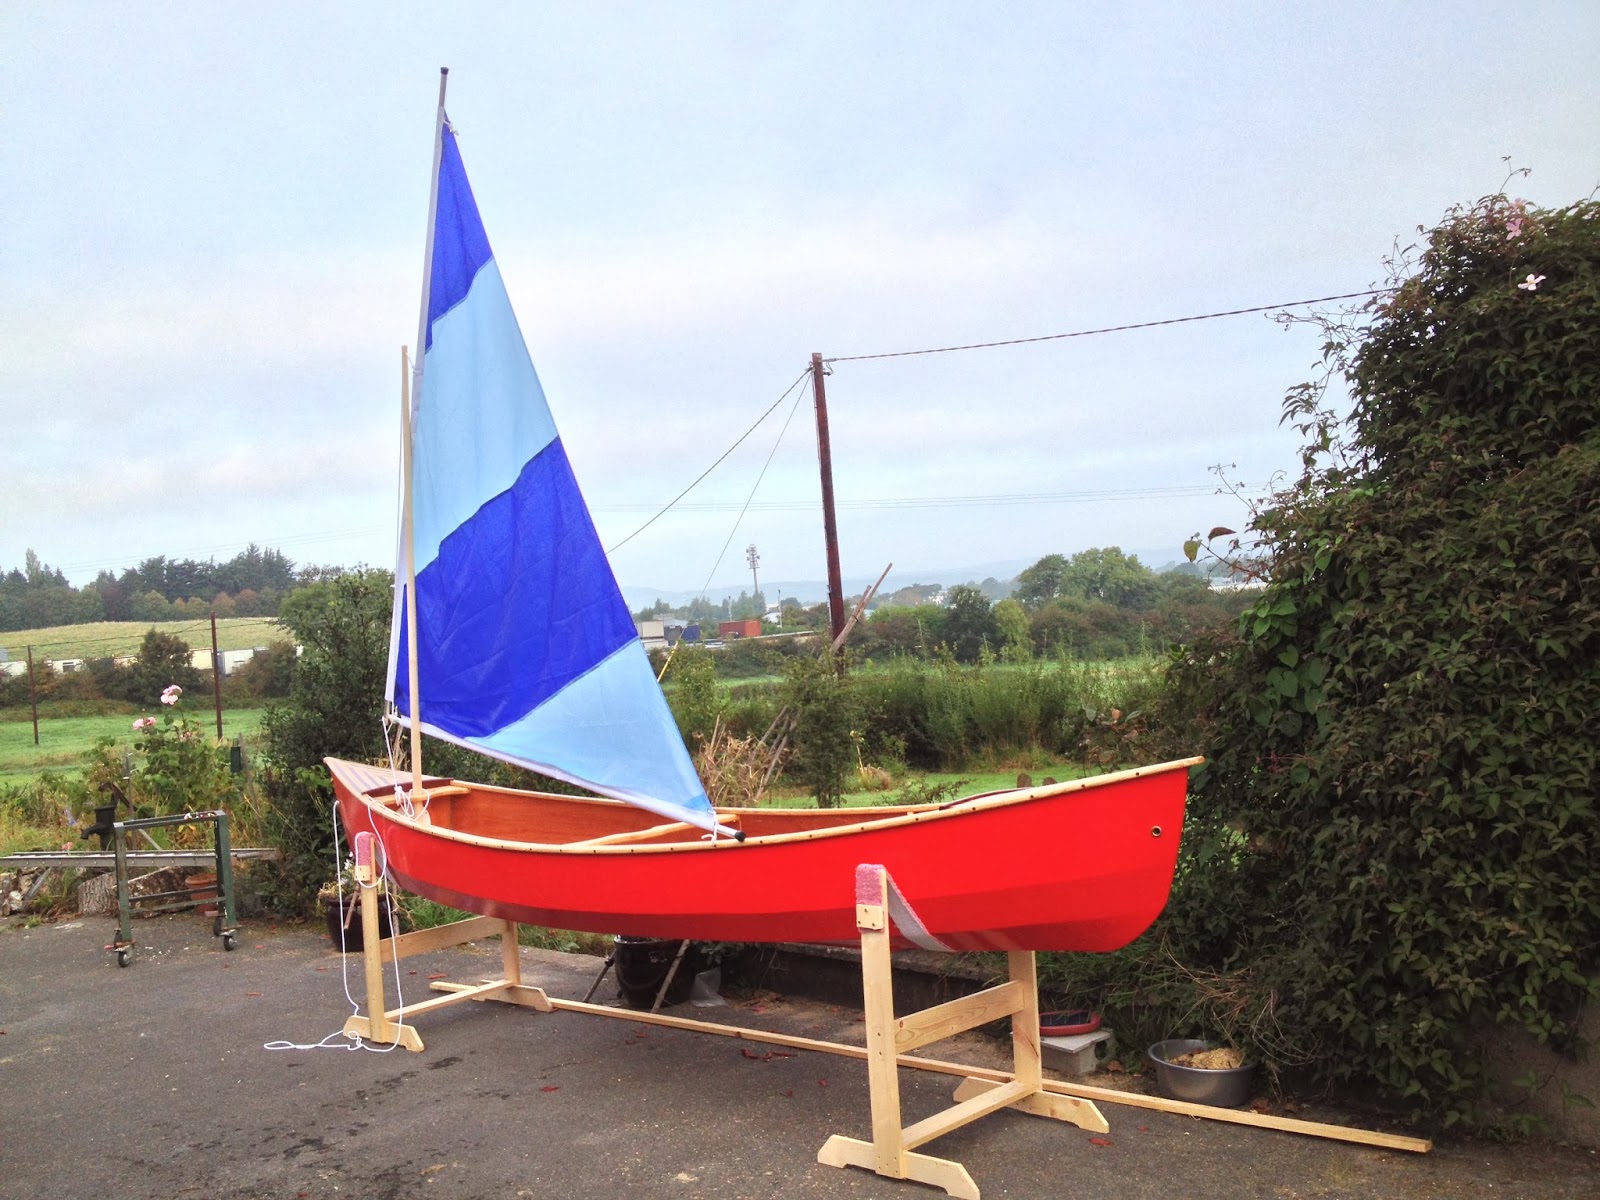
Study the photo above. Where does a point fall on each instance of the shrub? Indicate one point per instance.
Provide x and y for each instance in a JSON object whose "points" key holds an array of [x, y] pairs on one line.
{"points": [[1397, 830]]}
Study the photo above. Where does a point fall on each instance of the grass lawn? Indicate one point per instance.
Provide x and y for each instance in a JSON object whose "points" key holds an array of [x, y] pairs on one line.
{"points": [[64, 742], [108, 639]]}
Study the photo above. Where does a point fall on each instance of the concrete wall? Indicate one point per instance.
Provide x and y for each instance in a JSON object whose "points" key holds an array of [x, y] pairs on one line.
{"points": [[1566, 1087]]}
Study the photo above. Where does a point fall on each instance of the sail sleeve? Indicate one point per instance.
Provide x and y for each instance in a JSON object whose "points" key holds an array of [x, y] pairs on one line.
{"points": [[525, 647]]}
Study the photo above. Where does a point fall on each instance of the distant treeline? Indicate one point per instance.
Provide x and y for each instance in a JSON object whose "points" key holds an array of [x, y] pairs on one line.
{"points": [[1096, 604], [250, 584]]}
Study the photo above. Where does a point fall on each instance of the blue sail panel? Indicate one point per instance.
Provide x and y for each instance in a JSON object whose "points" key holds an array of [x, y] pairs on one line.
{"points": [[596, 728], [481, 416], [460, 245], [511, 610], [525, 648]]}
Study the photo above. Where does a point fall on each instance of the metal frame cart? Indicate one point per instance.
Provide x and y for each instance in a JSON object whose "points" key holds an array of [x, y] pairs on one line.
{"points": [[221, 926]]}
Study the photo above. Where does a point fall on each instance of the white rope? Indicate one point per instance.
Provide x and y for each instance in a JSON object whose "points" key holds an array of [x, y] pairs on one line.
{"points": [[402, 795], [355, 1041]]}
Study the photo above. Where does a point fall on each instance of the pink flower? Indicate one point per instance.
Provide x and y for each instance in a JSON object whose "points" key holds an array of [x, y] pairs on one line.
{"points": [[168, 698], [144, 723], [1531, 283], [1519, 213]]}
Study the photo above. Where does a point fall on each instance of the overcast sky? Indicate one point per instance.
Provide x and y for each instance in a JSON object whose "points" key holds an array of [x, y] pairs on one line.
{"points": [[212, 229]]}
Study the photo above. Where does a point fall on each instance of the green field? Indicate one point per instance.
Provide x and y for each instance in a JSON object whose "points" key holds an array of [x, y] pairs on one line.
{"points": [[64, 742], [111, 639]]}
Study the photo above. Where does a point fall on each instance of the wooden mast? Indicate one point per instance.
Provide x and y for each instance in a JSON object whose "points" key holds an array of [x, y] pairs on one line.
{"points": [[410, 543], [830, 526], [411, 389]]}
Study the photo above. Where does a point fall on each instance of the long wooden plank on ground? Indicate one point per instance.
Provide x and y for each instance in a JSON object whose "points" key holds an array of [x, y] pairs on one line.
{"points": [[1343, 1133]]}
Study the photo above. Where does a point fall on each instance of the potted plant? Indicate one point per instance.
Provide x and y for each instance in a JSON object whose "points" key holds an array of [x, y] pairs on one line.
{"points": [[340, 899]]}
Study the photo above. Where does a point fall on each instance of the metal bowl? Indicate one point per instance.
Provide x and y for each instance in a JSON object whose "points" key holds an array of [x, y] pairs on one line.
{"points": [[1227, 1088]]}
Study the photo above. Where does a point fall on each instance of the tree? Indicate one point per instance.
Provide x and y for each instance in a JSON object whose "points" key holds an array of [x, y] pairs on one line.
{"points": [[163, 660], [150, 606], [1111, 576], [969, 623], [827, 718], [1402, 758], [1041, 583], [113, 597], [1011, 625], [896, 629], [335, 707]]}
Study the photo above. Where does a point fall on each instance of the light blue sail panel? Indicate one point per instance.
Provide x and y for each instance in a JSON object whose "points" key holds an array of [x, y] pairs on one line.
{"points": [[525, 650]]}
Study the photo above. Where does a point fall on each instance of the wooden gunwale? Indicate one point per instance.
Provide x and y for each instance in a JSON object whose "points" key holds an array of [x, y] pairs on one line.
{"points": [[899, 818]]}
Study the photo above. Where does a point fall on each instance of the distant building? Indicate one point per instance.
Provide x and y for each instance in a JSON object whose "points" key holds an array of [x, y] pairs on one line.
{"points": [[232, 660]]}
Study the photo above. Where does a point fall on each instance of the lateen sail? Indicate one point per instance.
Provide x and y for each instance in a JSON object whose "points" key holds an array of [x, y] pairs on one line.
{"points": [[526, 650]]}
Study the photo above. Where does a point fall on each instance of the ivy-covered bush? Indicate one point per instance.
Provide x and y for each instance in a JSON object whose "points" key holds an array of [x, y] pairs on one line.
{"points": [[1399, 812]]}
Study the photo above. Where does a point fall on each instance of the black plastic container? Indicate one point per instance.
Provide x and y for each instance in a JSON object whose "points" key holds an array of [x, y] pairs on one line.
{"points": [[642, 964], [344, 922]]}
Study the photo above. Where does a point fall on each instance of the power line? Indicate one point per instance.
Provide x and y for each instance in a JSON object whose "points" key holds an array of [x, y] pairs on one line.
{"points": [[665, 508], [978, 501], [1055, 337]]}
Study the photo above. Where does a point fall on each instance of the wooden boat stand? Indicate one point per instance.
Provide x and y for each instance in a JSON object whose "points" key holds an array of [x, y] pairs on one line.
{"points": [[890, 1152], [889, 1040]]}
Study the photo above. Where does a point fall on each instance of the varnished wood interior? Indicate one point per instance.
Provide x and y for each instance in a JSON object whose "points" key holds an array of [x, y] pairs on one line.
{"points": [[562, 820]]}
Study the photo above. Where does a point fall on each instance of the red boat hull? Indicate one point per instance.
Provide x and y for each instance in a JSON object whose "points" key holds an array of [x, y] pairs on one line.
{"points": [[1085, 865]]}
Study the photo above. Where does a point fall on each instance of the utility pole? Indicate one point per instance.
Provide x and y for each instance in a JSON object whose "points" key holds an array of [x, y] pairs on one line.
{"points": [[754, 559], [830, 526], [216, 672], [33, 698]]}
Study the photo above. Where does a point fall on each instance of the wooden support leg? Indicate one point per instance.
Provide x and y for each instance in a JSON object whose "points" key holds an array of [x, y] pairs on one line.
{"points": [[379, 1025], [376, 1026], [890, 1152], [510, 958], [887, 1153]]}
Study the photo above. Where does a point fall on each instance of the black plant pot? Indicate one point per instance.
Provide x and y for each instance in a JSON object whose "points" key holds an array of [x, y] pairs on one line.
{"points": [[642, 965], [343, 915]]}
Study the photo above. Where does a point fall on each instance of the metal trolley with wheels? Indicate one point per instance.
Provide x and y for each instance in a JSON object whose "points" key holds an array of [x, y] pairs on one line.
{"points": [[222, 926]]}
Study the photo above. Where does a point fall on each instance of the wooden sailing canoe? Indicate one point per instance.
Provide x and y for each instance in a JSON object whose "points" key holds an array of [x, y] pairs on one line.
{"points": [[1082, 865]]}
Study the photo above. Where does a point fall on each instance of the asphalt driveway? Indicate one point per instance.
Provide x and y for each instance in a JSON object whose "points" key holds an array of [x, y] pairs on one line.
{"points": [[157, 1081]]}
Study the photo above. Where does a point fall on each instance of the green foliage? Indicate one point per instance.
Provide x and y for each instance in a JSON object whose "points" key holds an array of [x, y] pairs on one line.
{"points": [[179, 768], [826, 712], [267, 675], [334, 707], [1041, 583], [946, 716], [695, 699], [969, 626], [163, 659], [1401, 727], [1011, 629]]}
